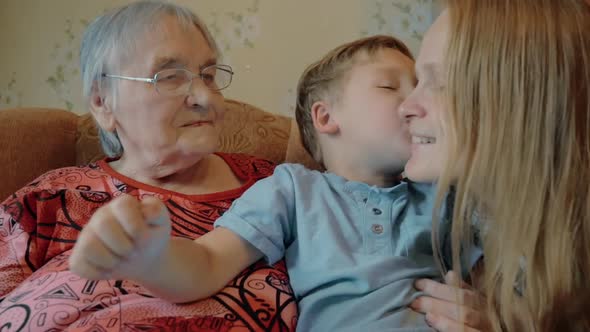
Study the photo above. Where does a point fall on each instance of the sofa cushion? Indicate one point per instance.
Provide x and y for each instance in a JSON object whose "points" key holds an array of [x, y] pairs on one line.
{"points": [[87, 142], [248, 129], [34, 140]]}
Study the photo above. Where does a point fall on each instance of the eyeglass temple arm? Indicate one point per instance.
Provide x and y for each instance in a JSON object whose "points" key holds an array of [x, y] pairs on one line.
{"points": [[139, 79]]}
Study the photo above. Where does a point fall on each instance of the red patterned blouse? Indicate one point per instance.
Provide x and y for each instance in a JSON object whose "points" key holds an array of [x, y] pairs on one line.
{"points": [[40, 223]]}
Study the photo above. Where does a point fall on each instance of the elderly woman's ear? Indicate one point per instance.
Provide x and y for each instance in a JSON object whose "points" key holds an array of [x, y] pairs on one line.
{"points": [[100, 108]]}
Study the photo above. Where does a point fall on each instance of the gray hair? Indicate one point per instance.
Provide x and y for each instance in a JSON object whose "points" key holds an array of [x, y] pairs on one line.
{"points": [[111, 39]]}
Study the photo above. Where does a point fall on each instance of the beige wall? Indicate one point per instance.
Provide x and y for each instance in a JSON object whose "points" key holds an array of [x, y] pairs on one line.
{"points": [[268, 42]]}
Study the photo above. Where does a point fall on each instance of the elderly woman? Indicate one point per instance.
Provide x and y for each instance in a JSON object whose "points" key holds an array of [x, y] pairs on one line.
{"points": [[152, 82], [504, 98]]}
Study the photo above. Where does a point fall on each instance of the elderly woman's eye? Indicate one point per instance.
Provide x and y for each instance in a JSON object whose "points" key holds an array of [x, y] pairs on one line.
{"points": [[208, 78], [169, 76]]}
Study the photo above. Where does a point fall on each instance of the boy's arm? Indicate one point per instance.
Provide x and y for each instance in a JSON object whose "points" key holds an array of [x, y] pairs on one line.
{"points": [[259, 224], [130, 239], [191, 270]]}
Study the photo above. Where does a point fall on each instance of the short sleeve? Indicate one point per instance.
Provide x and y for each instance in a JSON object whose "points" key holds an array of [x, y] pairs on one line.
{"points": [[264, 214]]}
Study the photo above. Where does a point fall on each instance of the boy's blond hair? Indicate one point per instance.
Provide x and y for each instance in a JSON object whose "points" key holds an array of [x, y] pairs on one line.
{"points": [[322, 79]]}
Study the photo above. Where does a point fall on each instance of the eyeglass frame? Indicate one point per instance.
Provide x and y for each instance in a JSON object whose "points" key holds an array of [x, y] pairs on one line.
{"points": [[153, 80]]}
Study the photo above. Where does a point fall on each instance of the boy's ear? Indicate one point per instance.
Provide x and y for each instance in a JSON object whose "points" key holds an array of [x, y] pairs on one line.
{"points": [[323, 121], [101, 110]]}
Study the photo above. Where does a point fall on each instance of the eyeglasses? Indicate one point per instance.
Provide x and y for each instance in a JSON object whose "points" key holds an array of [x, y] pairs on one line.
{"points": [[176, 82]]}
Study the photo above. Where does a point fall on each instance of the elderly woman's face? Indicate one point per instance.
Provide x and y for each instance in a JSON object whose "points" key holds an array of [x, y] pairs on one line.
{"points": [[164, 128], [424, 107]]}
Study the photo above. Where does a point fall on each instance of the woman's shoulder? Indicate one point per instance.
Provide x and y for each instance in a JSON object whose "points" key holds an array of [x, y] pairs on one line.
{"points": [[247, 166]]}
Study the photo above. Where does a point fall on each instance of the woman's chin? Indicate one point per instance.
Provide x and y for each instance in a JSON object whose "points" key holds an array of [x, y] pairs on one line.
{"points": [[420, 172], [199, 143]]}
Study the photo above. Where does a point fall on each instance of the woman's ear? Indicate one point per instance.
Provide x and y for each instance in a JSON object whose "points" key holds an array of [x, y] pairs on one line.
{"points": [[101, 110], [323, 121]]}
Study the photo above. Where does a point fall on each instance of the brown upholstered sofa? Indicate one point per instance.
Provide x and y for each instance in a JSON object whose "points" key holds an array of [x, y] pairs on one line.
{"points": [[35, 140]]}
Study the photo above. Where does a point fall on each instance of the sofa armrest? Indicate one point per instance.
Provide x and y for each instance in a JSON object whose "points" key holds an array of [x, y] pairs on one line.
{"points": [[36, 140]]}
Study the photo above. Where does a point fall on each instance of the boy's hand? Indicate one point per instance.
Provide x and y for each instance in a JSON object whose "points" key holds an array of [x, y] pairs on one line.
{"points": [[442, 310], [123, 240]]}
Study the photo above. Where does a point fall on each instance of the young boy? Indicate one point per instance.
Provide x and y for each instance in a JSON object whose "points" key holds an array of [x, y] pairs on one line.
{"points": [[354, 237]]}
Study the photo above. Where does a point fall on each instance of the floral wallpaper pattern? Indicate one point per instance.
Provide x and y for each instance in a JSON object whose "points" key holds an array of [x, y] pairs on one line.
{"points": [[65, 63], [8, 95], [407, 19], [267, 42], [235, 29]]}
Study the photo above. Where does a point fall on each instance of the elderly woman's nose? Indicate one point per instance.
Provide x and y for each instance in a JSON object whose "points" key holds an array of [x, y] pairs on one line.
{"points": [[199, 94]]}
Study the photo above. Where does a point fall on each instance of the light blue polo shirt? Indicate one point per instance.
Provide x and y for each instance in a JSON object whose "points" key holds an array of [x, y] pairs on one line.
{"points": [[352, 250]]}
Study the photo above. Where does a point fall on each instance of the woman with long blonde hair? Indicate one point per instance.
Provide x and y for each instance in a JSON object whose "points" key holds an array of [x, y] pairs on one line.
{"points": [[501, 116]]}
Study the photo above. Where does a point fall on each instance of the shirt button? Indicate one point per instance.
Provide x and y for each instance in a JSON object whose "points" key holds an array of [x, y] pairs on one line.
{"points": [[377, 229], [376, 211]]}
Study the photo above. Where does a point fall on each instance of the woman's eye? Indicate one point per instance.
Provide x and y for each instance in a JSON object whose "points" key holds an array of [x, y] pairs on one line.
{"points": [[169, 77], [208, 78]]}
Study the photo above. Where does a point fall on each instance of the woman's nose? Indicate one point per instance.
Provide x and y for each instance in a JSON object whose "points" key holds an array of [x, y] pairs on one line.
{"points": [[410, 108], [202, 98], [199, 95]]}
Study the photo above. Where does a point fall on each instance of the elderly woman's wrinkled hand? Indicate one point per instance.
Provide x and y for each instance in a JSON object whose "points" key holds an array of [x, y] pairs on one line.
{"points": [[123, 239], [449, 308]]}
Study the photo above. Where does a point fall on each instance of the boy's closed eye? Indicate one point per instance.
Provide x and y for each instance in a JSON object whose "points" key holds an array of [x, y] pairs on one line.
{"points": [[388, 87]]}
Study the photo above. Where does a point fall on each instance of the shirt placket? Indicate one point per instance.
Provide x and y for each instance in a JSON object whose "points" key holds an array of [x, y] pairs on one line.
{"points": [[377, 223]]}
